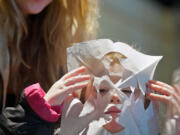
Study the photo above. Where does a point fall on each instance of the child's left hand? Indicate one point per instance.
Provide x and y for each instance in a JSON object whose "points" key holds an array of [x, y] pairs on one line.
{"points": [[170, 95]]}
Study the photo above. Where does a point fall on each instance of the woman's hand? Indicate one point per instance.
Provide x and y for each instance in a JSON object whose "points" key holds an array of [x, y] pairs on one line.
{"points": [[69, 83], [170, 95]]}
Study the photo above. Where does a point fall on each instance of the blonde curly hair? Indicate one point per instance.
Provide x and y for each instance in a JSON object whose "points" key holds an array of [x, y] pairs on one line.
{"points": [[37, 43]]}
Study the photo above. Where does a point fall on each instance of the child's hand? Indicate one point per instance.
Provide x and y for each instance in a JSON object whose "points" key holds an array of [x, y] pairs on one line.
{"points": [[166, 94], [69, 83]]}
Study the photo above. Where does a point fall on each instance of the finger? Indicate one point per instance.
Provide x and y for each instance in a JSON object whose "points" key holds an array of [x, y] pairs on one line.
{"points": [[177, 98], [76, 79], [74, 72], [177, 89], [160, 89], [170, 101], [160, 84], [157, 97], [174, 106], [176, 93], [177, 107], [76, 86]]}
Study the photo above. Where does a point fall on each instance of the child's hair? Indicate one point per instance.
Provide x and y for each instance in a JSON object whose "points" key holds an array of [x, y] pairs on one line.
{"points": [[114, 55], [37, 43], [115, 60]]}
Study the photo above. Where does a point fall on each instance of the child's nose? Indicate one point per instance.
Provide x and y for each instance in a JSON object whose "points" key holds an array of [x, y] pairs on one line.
{"points": [[115, 99]]}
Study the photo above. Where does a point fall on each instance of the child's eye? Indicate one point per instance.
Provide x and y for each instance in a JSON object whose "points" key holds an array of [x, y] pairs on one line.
{"points": [[103, 91], [127, 92]]}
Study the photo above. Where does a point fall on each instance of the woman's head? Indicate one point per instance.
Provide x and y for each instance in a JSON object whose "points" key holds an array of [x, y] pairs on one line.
{"points": [[37, 43]]}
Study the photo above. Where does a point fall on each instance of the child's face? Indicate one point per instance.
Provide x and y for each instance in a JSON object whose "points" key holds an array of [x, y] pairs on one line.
{"points": [[112, 108]]}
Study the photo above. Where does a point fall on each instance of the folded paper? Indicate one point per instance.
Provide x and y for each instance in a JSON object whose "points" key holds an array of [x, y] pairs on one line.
{"points": [[119, 71]]}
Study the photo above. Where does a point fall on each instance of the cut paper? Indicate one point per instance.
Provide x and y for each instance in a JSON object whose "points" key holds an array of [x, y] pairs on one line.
{"points": [[76, 116], [115, 67]]}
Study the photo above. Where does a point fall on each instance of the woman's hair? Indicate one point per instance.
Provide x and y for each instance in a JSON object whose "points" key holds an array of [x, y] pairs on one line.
{"points": [[37, 43]]}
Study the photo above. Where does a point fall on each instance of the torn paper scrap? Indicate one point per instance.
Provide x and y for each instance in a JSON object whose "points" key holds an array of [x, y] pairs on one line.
{"points": [[121, 74]]}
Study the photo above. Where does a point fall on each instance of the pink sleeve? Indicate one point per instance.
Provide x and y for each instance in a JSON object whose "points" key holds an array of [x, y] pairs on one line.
{"points": [[34, 95]]}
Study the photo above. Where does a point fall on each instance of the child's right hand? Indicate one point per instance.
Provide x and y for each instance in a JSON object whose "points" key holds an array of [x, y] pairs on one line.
{"points": [[69, 83]]}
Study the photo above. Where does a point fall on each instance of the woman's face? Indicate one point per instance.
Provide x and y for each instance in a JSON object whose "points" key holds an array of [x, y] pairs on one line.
{"points": [[28, 7]]}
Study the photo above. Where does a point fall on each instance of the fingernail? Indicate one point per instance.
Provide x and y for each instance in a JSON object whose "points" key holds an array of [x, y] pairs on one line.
{"points": [[152, 81]]}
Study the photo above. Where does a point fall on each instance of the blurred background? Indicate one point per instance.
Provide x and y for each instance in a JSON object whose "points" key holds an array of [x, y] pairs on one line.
{"points": [[152, 26]]}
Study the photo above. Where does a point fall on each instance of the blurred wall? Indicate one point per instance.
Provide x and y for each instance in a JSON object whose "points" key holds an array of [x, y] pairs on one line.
{"points": [[151, 28]]}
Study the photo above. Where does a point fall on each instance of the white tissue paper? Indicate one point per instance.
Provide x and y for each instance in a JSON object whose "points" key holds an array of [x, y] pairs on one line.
{"points": [[137, 115]]}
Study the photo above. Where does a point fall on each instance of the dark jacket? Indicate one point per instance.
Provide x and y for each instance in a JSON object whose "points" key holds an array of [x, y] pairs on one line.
{"points": [[32, 116]]}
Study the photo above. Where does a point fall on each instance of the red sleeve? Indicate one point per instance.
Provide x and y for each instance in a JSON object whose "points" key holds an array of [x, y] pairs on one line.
{"points": [[34, 95]]}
